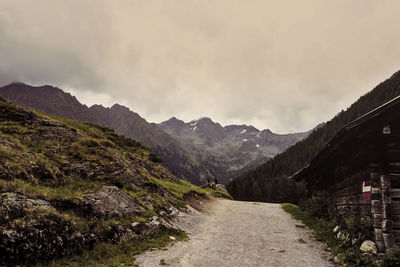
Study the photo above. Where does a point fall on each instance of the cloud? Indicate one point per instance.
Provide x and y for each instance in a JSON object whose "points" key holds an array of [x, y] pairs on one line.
{"points": [[283, 65]]}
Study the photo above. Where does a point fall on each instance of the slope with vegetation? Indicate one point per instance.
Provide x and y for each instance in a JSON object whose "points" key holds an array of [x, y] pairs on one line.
{"points": [[68, 187], [269, 182]]}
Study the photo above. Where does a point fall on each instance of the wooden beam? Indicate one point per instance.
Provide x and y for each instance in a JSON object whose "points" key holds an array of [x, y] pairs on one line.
{"points": [[389, 241], [395, 192], [376, 206]]}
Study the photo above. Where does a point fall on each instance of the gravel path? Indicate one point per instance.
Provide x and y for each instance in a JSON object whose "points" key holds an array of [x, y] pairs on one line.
{"points": [[234, 233]]}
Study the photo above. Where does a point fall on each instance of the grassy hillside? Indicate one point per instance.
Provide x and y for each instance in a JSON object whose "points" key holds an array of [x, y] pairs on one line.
{"points": [[68, 187], [269, 182]]}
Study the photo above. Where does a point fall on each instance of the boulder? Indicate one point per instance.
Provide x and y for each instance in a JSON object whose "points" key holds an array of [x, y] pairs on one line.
{"points": [[369, 247], [154, 225], [173, 211], [219, 187], [110, 201], [120, 234], [13, 205]]}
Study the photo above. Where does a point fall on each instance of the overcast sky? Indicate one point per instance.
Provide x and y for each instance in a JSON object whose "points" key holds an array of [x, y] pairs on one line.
{"points": [[282, 65]]}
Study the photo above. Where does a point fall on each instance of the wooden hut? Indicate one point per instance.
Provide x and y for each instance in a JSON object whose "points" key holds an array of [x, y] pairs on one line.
{"points": [[360, 168]]}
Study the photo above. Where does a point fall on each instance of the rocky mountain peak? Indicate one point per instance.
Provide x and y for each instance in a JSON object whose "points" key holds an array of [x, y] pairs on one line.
{"points": [[205, 120], [174, 122], [47, 99], [97, 106], [267, 131], [118, 107]]}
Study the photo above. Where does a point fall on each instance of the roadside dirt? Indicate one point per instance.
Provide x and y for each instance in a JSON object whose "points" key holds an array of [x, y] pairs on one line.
{"points": [[234, 233]]}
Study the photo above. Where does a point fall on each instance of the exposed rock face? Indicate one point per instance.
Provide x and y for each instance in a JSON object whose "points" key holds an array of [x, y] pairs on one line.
{"points": [[41, 235], [14, 205], [40, 238], [110, 201]]}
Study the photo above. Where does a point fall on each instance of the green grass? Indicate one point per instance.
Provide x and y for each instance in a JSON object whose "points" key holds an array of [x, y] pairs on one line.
{"points": [[348, 254], [217, 194], [179, 189], [74, 188], [104, 254]]}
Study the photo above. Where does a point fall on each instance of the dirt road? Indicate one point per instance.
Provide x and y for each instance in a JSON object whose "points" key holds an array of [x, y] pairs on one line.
{"points": [[234, 233]]}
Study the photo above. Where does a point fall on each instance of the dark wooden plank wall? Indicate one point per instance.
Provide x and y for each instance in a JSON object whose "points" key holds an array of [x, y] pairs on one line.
{"points": [[349, 175], [349, 196]]}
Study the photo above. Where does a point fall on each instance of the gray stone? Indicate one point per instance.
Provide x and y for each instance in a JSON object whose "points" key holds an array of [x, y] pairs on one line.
{"points": [[336, 229], [173, 211], [110, 200], [369, 247], [219, 187], [155, 224], [336, 259], [13, 205]]}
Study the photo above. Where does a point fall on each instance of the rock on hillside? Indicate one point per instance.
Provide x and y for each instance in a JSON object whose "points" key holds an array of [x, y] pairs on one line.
{"points": [[67, 185]]}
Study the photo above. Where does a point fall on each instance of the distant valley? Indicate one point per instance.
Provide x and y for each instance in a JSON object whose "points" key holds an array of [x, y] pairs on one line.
{"points": [[198, 151], [238, 147]]}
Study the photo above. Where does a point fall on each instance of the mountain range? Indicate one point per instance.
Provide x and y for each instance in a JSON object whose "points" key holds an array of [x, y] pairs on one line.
{"points": [[198, 151], [238, 147]]}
